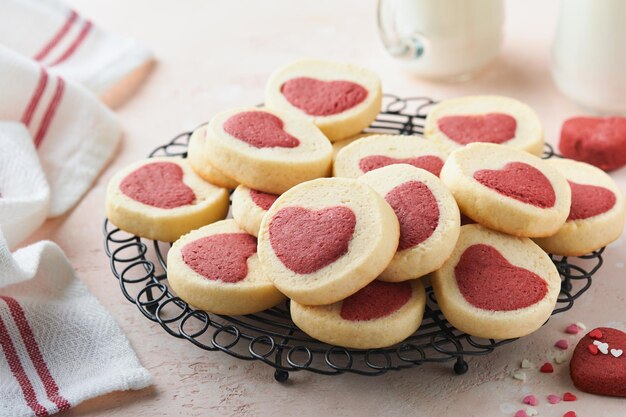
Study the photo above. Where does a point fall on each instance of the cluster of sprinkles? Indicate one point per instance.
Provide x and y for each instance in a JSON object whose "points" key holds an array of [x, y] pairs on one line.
{"points": [[558, 357]]}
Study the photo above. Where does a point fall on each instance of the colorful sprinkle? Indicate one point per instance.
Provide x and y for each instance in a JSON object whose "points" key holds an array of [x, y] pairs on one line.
{"points": [[519, 375], [531, 411], [562, 344], [569, 414], [530, 400], [617, 352], [572, 329], [595, 334], [568, 396], [526, 364], [554, 399], [547, 368], [521, 413], [581, 326], [593, 349], [602, 347], [560, 357]]}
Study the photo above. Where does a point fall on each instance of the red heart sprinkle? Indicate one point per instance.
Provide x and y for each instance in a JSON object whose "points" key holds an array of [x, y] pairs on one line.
{"points": [[568, 396], [521, 413], [547, 368], [569, 414], [530, 400], [595, 334], [572, 329], [593, 349], [562, 344]]}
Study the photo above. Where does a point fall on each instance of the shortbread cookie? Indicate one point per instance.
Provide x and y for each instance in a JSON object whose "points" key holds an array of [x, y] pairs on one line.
{"points": [[341, 99], [428, 215], [597, 211], [496, 286], [337, 146], [507, 189], [598, 364], [599, 141], [266, 150], [325, 239], [378, 151], [493, 119], [162, 199], [379, 315], [196, 154], [249, 207], [216, 268]]}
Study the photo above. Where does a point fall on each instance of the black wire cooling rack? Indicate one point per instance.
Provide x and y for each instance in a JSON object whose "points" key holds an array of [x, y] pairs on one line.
{"points": [[270, 336]]}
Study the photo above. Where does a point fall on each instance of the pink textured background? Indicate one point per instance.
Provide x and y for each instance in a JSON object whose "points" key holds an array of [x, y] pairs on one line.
{"points": [[216, 55]]}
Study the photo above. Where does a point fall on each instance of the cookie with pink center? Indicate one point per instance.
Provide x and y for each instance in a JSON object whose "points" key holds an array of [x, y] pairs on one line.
{"points": [[199, 162], [495, 285], [341, 99], [267, 150], [337, 146], [428, 215], [492, 119], [379, 315], [507, 189], [162, 199], [325, 239], [249, 207], [216, 268], [597, 211], [378, 151]]}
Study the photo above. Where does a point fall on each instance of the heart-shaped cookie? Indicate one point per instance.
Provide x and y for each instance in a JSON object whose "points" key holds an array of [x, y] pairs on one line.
{"points": [[430, 163], [263, 200], [487, 280], [259, 129], [377, 299], [595, 140], [307, 240], [417, 211], [589, 201], [323, 98], [520, 181], [159, 184], [220, 257], [492, 127], [603, 374]]}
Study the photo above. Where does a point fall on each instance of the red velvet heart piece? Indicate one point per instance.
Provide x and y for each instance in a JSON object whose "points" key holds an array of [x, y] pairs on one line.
{"points": [[307, 240], [221, 257], [520, 181], [487, 280], [159, 184], [417, 211], [491, 128], [322, 98], [263, 200], [376, 300], [602, 374], [259, 129], [589, 201], [430, 163]]}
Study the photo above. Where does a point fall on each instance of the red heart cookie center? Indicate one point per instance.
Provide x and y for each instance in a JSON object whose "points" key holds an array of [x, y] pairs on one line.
{"points": [[487, 280], [159, 184], [491, 128], [430, 163], [259, 129], [307, 240], [222, 257], [596, 140], [520, 181], [589, 201], [263, 200], [376, 300], [417, 211], [601, 373], [322, 98]]}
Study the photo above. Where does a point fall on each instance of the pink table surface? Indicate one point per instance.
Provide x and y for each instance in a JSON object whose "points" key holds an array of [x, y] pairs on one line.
{"points": [[217, 55]]}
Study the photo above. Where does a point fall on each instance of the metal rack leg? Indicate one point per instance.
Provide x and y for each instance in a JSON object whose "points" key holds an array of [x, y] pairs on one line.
{"points": [[460, 366]]}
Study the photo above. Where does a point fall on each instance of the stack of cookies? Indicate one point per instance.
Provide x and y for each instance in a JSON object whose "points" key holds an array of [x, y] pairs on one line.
{"points": [[351, 250]]}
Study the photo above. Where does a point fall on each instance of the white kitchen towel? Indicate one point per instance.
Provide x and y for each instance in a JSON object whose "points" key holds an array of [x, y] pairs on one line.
{"points": [[58, 345], [24, 191], [74, 133], [71, 46]]}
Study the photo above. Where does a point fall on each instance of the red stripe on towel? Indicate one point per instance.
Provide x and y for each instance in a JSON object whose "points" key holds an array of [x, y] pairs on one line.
{"points": [[50, 385], [57, 37], [74, 46], [36, 97], [50, 111]]}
